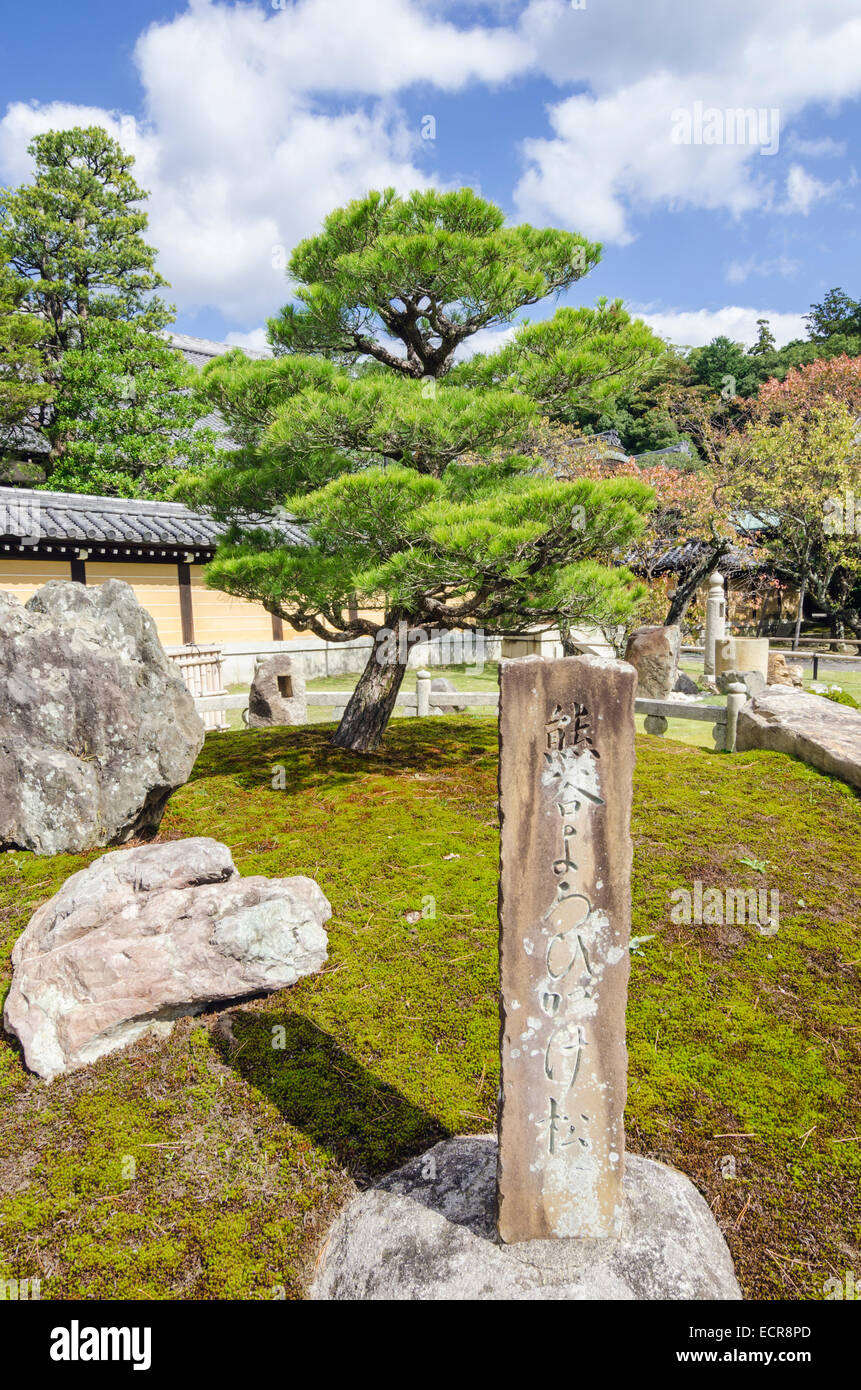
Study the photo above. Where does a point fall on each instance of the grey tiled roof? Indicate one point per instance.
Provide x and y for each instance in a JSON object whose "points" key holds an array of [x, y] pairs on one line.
{"points": [[198, 352], [681, 557], [27, 514], [683, 447]]}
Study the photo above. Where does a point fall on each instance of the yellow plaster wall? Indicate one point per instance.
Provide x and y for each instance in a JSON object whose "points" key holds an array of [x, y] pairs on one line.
{"points": [[23, 577], [156, 588], [219, 617]]}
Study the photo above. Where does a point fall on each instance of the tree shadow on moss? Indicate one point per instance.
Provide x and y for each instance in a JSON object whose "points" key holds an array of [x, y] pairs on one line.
{"points": [[310, 760], [362, 1121]]}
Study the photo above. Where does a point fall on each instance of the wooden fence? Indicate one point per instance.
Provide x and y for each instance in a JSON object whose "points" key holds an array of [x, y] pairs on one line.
{"points": [[723, 718]]}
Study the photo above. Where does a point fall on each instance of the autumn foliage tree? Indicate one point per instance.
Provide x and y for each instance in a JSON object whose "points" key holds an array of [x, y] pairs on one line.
{"points": [[805, 389], [685, 509], [792, 486]]}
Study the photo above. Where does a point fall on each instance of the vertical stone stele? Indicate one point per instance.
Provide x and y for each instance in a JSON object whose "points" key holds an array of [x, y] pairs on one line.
{"points": [[566, 732]]}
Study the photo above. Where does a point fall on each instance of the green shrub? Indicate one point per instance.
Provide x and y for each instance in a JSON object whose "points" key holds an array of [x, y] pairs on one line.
{"points": [[842, 697]]}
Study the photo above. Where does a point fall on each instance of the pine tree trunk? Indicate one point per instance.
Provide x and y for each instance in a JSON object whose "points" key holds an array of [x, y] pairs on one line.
{"points": [[568, 645], [371, 703]]}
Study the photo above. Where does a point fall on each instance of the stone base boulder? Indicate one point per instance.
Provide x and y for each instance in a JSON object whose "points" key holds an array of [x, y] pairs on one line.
{"points": [[819, 732], [145, 936], [783, 672], [443, 683], [428, 1231], [277, 694], [654, 654], [753, 682], [96, 726]]}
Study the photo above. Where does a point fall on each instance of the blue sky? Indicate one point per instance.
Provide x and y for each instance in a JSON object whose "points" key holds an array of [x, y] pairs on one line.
{"points": [[250, 121]]}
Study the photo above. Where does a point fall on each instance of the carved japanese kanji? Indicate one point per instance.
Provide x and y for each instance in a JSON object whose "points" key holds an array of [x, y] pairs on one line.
{"points": [[566, 760]]}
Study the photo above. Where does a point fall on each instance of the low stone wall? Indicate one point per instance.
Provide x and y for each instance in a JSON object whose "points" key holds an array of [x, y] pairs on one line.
{"points": [[348, 658]]}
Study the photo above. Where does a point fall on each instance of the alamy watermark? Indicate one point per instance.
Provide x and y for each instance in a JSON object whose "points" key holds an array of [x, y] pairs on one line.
{"points": [[758, 126], [21, 518], [28, 1290], [842, 515], [720, 907], [77, 1343], [847, 1287], [458, 647]]}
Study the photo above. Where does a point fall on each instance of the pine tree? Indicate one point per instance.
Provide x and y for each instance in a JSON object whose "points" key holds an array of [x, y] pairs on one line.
{"points": [[421, 513], [23, 389], [114, 411]]}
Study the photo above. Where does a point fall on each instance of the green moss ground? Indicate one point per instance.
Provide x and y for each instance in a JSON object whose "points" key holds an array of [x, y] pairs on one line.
{"points": [[210, 1165]]}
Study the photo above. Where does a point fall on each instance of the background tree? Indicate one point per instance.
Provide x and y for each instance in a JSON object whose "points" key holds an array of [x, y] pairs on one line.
{"points": [[724, 367], [420, 513], [793, 487], [639, 413], [23, 390], [837, 315], [127, 414], [74, 236], [765, 339], [805, 388], [686, 508]]}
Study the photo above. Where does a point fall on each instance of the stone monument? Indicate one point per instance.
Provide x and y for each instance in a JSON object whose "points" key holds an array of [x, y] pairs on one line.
{"points": [[654, 654], [715, 620], [551, 1210], [566, 765], [739, 658], [277, 694]]}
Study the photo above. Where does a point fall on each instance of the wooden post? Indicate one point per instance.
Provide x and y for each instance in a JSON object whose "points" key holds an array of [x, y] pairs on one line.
{"points": [[186, 610]]}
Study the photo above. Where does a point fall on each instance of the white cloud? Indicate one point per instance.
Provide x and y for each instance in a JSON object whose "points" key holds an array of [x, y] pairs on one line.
{"points": [[803, 190], [221, 216], [485, 340], [739, 271], [253, 341], [696, 327], [237, 152], [257, 120], [611, 151], [826, 148]]}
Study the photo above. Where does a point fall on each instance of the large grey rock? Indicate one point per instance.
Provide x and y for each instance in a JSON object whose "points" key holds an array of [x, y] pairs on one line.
{"points": [[820, 732], [277, 694], [144, 936], [96, 726], [684, 685], [428, 1231], [442, 683], [654, 654]]}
